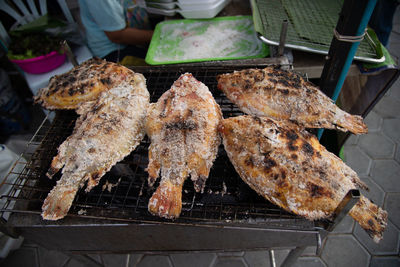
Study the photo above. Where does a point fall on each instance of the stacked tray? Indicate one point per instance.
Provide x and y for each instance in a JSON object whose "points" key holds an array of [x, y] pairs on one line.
{"points": [[187, 8]]}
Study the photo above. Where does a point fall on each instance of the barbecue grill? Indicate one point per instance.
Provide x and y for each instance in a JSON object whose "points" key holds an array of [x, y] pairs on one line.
{"points": [[113, 217]]}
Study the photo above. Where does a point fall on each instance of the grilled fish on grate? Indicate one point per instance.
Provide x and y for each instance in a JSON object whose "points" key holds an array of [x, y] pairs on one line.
{"points": [[182, 126], [108, 129], [288, 166], [81, 84], [285, 95]]}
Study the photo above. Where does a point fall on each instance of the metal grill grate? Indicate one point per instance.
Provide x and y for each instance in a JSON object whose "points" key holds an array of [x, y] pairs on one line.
{"points": [[227, 199], [311, 25]]}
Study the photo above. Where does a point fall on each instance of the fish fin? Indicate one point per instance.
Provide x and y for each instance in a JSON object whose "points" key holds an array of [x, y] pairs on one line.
{"points": [[352, 123]]}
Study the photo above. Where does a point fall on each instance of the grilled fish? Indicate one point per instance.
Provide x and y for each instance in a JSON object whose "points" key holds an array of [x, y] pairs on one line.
{"points": [[281, 94], [107, 131], [182, 127], [81, 84], [290, 168]]}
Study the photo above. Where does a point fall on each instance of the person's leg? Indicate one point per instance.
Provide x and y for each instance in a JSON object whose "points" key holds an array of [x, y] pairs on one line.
{"points": [[382, 19]]}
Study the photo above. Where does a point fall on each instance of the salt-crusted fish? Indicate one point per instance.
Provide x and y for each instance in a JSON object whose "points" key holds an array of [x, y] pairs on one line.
{"points": [[81, 84], [182, 127], [108, 129], [290, 168], [282, 94]]}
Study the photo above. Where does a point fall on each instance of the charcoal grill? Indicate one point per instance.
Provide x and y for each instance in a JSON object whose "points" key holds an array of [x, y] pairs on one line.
{"points": [[113, 217]]}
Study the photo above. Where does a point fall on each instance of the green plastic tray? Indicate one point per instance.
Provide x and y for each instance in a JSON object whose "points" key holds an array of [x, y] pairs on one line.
{"points": [[196, 40]]}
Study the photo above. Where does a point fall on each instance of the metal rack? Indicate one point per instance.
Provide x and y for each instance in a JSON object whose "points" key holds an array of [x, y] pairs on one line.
{"points": [[114, 217]]}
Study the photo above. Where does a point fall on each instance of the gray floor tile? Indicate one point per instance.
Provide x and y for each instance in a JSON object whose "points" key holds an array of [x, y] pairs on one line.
{"points": [[195, 259], [386, 173], [373, 121], [395, 89], [385, 262], [377, 145], [352, 140], [309, 262], [392, 205], [155, 260], [389, 245], [391, 128], [134, 259], [375, 193], [258, 258], [231, 254], [397, 155], [230, 262], [310, 251], [280, 256], [74, 263], [357, 159], [117, 260], [50, 258], [388, 107], [23, 257], [96, 257], [345, 226], [344, 250]]}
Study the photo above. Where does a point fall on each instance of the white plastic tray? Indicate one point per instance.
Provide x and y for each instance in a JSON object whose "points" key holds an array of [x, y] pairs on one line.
{"points": [[199, 12]]}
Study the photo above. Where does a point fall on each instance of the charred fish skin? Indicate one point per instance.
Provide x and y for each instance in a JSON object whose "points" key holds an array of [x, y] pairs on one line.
{"points": [[182, 127], [291, 169], [285, 95], [110, 129], [81, 84]]}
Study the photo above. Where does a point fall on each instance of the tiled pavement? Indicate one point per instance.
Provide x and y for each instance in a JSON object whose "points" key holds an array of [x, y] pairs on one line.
{"points": [[375, 157]]}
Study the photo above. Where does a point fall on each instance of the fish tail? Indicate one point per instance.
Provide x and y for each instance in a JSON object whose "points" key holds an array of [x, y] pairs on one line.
{"points": [[352, 123], [167, 200], [58, 202], [371, 218]]}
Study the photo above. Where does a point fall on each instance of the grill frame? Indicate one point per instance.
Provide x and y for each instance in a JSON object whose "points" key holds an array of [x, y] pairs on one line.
{"points": [[251, 221]]}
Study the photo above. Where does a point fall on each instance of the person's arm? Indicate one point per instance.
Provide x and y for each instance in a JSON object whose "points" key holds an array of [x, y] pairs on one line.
{"points": [[130, 36]]}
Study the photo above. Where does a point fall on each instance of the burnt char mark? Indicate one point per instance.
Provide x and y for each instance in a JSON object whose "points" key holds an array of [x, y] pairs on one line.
{"points": [[182, 125], [249, 162], [71, 79], [291, 135], [283, 82], [259, 76], [308, 149], [257, 119], [95, 176], [273, 81], [318, 191], [284, 91], [291, 146], [293, 157], [71, 91], [91, 150], [247, 85], [370, 222], [283, 174], [269, 163], [106, 80]]}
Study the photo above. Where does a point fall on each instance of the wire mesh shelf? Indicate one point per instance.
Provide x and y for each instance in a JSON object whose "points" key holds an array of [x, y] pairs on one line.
{"points": [[310, 26], [123, 193]]}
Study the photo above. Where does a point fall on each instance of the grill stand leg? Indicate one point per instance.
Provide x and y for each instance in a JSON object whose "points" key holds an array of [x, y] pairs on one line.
{"points": [[292, 257]]}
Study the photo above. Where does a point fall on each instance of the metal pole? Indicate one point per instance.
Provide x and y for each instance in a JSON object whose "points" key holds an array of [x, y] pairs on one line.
{"points": [[353, 21]]}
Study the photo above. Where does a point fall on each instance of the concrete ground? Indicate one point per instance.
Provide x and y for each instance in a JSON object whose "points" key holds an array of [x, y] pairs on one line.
{"points": [[374, 156]]}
